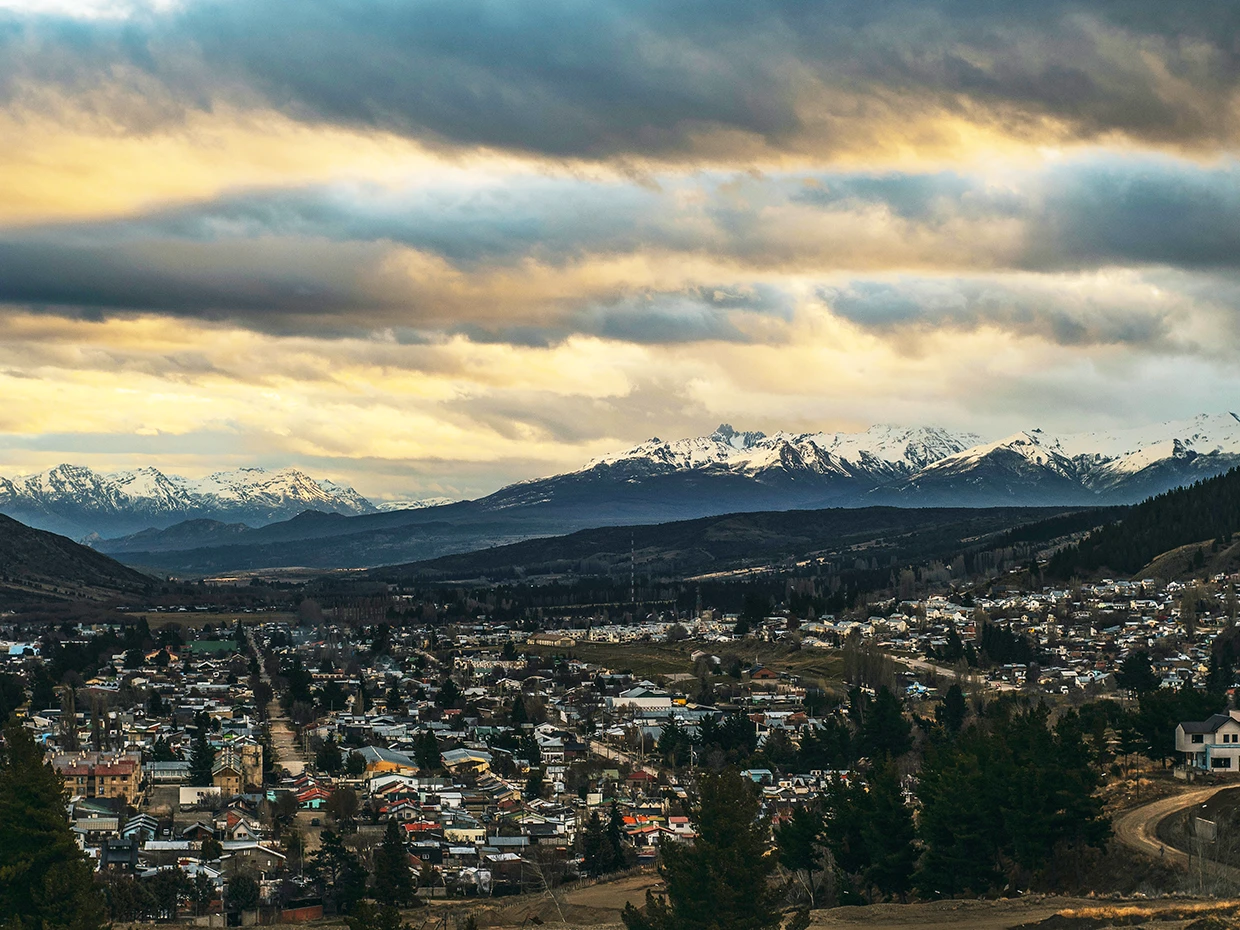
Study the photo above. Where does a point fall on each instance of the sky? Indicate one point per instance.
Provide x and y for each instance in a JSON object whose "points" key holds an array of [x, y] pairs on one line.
{"points": [[430, 247]]}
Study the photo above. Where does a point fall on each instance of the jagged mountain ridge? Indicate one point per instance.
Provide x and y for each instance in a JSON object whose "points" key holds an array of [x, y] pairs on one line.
{"points": [[1122, 466], [77, 501], [727, 472]]}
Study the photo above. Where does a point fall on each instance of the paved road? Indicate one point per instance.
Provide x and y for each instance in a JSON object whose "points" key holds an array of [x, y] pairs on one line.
{"points": [[923, 666], [283, 738], [1137, 829]]}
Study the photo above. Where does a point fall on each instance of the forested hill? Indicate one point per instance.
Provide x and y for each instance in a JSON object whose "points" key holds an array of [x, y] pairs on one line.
{"points": [[43, 566], [1205, 511]]}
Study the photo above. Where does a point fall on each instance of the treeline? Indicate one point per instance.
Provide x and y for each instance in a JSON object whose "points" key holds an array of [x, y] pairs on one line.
{"points": [[1209, 509]]}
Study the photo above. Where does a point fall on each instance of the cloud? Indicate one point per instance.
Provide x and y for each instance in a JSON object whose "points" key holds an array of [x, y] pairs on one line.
{"points": [[618, 78]]}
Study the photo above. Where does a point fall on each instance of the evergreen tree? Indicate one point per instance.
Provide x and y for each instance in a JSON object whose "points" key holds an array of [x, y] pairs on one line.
{"points": [[328, 758], [242, 893], [594, 847], [426, 751], [885, 732], [615, 837], [337, 871], [1137, 674], [45, 883], [888, 835], [801, 841], [721, 881], [201, 760], [534, 785], [393, 881], [951, 712]]}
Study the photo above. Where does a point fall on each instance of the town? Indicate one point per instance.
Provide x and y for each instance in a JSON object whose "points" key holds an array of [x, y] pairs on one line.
{"points": [[243, 764]]}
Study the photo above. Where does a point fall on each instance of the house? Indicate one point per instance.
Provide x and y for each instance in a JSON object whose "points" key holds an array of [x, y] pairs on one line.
{"points": [[1212, 744], [226, 778]]}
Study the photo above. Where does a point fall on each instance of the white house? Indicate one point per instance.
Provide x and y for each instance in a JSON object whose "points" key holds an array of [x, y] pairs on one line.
{"points": [[1212, 744]]}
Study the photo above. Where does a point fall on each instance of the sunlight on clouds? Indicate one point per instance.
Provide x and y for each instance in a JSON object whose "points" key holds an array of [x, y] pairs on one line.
{"points": [[70, 165]]}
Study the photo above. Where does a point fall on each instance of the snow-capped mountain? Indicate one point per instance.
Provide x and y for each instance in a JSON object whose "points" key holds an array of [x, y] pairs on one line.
{"points": [[918, 466], [420, 504], [77, 501], [1120, 466]]}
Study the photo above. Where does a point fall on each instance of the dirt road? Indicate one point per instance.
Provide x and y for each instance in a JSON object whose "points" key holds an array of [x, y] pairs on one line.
{"points": [[1138, 829]]}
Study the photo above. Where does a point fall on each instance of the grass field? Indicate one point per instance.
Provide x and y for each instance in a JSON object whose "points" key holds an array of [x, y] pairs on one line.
{"points": [[817, 667]]}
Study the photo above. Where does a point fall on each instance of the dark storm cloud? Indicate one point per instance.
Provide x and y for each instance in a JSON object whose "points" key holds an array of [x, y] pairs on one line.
{"points": [[649, 78], [520, 261], [1103, 314]]}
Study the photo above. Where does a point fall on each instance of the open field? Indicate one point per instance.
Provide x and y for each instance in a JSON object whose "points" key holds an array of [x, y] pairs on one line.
{"points": [[823, 668]]}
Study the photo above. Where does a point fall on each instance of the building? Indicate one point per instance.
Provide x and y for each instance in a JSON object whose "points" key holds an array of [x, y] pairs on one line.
{"points": [[1211, 745], [101, 774], [226, 778]]}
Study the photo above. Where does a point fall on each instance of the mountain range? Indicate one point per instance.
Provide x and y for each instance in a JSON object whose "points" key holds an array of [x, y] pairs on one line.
{"points": [[75, 501], [728, 471]]}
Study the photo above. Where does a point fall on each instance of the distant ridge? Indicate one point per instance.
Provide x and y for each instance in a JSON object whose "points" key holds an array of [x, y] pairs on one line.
{"points": [[79, 502], [728, 471]]}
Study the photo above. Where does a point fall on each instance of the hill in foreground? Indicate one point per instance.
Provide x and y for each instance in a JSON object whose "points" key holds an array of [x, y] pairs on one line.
{"points": [[39, 566]]}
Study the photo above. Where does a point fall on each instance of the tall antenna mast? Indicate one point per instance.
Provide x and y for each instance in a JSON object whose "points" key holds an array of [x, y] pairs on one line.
{"points": [[633, 574]]}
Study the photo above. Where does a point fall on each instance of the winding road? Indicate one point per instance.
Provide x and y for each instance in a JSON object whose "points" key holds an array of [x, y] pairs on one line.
{"points": [[1138, 829]]}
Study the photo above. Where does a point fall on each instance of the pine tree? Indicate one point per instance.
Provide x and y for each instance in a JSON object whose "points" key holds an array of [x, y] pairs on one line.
{"points": [[801, 842], [722, 880], [393, 881], [888, 835], [615, 838], [534, 785], [951, 712], [202, 758], [426, 751], [594, 847], [337, 870], [884, 731], [45, 883]]}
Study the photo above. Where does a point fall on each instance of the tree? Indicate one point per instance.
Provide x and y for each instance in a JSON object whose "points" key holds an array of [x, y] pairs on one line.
{"points": [[45, 882], [337, 871], [884, 731], [615, 837], [242, 893], [162, 751], [367, 916], [721, 881], [426, 751], [1137, 674], [211, 849], [951, 712], [393, 882], [448, 694], [342, 805], [201, 759], [201, 893], [801, 844], [535, 787], [355, 765], [888, 835], [328, 758], [594, 847]]}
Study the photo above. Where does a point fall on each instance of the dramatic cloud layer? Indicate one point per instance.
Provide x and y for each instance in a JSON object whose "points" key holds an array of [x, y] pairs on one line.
{"points": [[431, 247]]}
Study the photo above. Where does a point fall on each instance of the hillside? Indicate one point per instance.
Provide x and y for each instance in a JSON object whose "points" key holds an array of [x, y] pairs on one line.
{"points": [[1193, 516], [872, 539], [39, 566]]}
